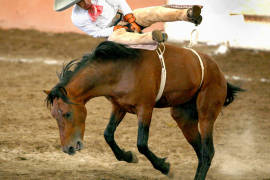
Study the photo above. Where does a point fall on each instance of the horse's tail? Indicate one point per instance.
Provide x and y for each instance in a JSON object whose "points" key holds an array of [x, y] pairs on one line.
{"points": [[231, 93]]}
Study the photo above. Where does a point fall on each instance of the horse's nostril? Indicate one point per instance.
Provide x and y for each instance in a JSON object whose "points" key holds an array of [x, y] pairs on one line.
{"points": [[71, 150], [79, 145]]}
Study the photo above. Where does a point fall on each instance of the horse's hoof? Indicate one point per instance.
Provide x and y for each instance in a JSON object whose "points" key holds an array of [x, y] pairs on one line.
{"points": [[134, 158]]}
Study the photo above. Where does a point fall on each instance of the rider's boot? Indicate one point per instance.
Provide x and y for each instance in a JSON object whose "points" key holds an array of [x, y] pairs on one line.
{"points": [[159, 36], [194, 15]]}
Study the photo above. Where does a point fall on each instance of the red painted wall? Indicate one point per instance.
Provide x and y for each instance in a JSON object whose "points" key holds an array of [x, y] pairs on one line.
{"points": [[39, 14]]}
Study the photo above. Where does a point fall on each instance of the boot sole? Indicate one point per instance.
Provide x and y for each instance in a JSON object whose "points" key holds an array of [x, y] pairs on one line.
{"points": [[196, 12], [158, 36]]}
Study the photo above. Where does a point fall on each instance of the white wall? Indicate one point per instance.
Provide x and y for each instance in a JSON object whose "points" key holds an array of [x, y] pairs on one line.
{"points": [[219, 27]]}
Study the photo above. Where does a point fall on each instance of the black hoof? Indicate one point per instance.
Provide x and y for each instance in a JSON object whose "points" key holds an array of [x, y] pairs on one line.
{"points": [[128, 156], [132, 157], [162, 166]]}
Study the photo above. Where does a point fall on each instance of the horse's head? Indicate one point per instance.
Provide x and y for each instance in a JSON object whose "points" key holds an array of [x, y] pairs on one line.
{"points": [[70, 118]]}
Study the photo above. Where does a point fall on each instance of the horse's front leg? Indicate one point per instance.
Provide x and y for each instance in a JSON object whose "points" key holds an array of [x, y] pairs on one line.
{"points": [[116, 117], [144, 117]]}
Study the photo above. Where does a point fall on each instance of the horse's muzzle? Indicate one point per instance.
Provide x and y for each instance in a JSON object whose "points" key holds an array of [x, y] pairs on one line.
{"points": [[71, 150]]}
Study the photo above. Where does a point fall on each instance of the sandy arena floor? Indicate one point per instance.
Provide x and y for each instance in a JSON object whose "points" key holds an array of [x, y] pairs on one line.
{"points": [[29, 139]]}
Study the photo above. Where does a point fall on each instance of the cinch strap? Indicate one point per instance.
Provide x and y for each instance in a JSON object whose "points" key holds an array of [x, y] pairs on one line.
{"points": [[163, 71]]}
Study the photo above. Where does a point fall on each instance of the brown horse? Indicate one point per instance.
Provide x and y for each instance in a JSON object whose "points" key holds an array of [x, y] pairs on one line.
{"points": [[130, 79]]}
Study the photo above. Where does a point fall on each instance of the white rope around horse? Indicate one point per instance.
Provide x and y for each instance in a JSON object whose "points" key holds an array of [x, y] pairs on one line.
{"points": [[192, 41], [160, 53], [201, 63]]}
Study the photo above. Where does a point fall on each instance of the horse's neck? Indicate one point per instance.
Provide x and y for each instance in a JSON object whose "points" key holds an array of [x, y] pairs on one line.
{"points": [[92, 81]]}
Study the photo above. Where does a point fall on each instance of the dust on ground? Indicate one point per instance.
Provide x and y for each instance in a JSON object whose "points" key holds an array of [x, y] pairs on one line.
{"points": [[29, 139]]}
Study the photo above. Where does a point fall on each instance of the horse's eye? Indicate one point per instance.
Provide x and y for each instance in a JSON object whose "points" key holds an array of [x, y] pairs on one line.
{"points": [[67, 115]]}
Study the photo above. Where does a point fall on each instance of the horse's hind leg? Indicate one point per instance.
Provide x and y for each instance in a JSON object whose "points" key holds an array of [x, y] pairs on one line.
{"points": [[210, 101], [186, 117], [116, 117], [196, 120]]}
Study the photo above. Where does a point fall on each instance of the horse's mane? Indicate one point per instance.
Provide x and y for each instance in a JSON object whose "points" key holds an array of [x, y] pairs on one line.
{"points": [[104, 52], [109, 50]]}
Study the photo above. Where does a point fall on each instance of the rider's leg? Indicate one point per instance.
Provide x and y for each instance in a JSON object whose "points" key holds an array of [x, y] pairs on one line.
{"points": [[150, 15], [130, 38]]}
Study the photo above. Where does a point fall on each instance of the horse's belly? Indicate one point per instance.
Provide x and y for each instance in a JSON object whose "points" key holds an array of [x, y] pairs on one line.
{"points": [[175, 98]]}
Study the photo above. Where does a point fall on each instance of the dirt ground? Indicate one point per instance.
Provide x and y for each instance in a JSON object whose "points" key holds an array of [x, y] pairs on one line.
{"points": [[29, 139]]}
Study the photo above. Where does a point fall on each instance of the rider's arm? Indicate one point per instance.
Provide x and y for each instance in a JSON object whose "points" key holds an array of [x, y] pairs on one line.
{"points": [[128, 15], [93, 30], [124, 7]]}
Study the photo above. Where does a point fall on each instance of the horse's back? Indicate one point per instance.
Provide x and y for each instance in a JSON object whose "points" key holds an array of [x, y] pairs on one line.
{"points": [[184, 73], [143, 76]]}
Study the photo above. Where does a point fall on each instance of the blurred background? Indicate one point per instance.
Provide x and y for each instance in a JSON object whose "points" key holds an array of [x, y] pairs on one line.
{"points": [[241, 23], [35, 42]]}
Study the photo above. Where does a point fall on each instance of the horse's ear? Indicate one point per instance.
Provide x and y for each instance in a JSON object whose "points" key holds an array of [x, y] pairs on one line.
{"points": [[47, 92]]}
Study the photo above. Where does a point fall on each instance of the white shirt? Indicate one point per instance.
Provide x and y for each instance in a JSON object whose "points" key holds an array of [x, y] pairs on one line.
{"points": [[102, 26]]}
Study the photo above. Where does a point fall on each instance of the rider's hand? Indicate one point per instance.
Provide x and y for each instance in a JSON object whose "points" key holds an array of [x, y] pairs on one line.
{"points": [[133, 25], [119, 27]]}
